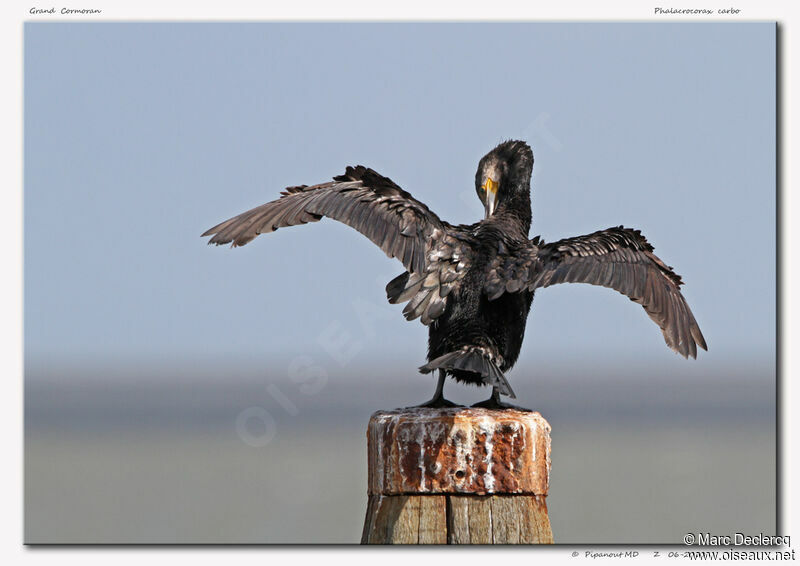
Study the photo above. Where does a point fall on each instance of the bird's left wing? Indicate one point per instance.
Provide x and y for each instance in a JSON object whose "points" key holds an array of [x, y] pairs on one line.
{"points": [[400, 225], [618, 258]]}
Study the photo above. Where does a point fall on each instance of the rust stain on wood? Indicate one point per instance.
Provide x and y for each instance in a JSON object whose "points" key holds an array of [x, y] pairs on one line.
{"points": [[461, 450]]}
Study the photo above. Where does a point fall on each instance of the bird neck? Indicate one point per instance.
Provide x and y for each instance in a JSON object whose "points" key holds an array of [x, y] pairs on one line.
{"points": [[517, 208]]}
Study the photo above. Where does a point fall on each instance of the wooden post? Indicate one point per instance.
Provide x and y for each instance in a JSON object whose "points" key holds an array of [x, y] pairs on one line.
{"points": [[457, 476]]}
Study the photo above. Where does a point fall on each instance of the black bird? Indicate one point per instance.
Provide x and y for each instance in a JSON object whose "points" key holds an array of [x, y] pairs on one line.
{"points": [[473, 285]]}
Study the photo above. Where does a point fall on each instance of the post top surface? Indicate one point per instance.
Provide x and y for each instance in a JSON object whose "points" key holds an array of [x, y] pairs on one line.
{"points": [[458, 450], [463, 416], [465, 412]]}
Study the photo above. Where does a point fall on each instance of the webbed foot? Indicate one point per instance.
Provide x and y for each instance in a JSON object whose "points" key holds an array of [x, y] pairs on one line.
{"points": [[494, 402], [436, 403]]}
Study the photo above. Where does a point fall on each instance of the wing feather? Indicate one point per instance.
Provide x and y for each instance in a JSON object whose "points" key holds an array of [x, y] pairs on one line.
{"points": [[617, 258], [433, 252], [361, 198]]}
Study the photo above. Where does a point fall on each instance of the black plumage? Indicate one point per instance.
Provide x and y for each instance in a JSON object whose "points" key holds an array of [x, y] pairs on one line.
{"points": [[473, 285]]}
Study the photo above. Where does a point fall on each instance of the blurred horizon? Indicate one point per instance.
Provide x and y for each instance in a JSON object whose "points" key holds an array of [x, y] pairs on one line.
{"points": [[203, 459]]}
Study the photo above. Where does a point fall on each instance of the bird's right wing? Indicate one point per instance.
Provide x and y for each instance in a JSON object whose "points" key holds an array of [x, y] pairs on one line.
{"points": [[433, 252], [618, 258], [400, 225]]}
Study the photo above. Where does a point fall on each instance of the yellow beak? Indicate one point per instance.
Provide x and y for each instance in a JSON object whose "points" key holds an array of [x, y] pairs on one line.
{"points": [[491, 196]]}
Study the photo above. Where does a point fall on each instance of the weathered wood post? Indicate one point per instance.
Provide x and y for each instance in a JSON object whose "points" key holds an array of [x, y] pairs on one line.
{"points": [[457, 476]]}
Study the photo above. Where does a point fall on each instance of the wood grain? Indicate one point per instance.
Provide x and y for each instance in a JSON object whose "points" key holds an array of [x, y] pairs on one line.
{"points": [[457, 519]]}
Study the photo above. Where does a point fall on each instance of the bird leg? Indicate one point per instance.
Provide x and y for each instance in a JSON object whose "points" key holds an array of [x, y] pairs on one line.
{"points": [[494, 402], [438, 401]]}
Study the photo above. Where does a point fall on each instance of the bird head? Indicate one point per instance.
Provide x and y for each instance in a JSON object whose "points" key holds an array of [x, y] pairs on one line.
{"points": [[504, 174]]}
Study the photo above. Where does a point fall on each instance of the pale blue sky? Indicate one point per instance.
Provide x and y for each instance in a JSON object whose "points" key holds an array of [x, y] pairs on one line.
{"points": [[138, 137]]}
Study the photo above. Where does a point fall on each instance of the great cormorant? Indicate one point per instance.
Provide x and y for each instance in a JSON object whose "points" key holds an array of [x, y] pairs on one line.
{"points": [[473, 285]]}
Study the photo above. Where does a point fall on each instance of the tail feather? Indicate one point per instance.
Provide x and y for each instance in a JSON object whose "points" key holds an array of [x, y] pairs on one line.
{"points": [[475, 361]]}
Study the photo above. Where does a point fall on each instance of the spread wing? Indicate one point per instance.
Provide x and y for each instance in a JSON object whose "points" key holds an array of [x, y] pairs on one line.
{"points": [[617, 258], [400, 225], [361, 198]]}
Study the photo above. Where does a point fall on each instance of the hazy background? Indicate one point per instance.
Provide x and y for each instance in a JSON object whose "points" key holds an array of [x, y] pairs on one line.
{"points": [[177, 392]]}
